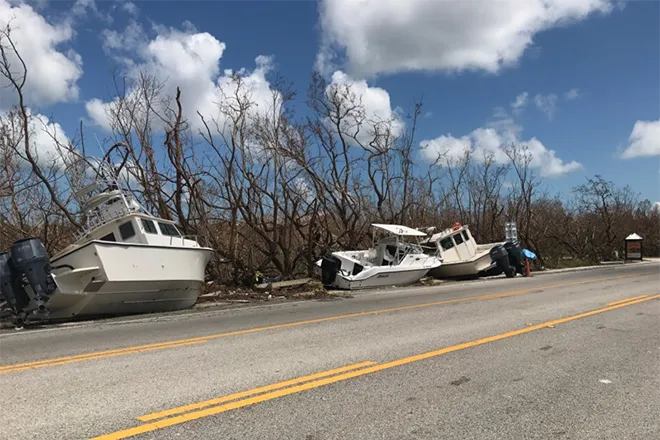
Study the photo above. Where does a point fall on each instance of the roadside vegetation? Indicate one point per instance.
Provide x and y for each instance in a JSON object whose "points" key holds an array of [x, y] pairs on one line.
{"points": [[273, 188]]}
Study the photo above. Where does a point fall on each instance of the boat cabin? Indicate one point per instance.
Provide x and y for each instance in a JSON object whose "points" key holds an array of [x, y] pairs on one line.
{"points": [[454, 244], [140, 229], [393, 248], [115, 216], [390, 252]]}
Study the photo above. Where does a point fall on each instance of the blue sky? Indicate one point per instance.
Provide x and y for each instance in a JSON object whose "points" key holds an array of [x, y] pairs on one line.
{"points": [[585, 77]]}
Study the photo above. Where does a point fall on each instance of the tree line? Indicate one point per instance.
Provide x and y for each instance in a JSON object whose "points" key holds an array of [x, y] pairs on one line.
{"points": [[271, 188]]}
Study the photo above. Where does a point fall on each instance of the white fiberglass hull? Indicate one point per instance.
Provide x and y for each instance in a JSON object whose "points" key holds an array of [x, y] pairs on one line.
{"points": [[380, 277], [456, 269], [409, 271], [110, 278]]}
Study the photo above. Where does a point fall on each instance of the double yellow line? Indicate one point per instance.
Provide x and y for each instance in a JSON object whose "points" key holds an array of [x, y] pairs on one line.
{"points": [[5, 369], [96, 355], [622, 301], [186, 413]]}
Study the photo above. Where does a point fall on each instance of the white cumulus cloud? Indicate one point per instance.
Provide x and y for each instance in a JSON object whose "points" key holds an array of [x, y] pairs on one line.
{"points": [[493, 139], [387, 36], [372, 120], [644, 141], [53, 70], [48, 141], [190, 60]]}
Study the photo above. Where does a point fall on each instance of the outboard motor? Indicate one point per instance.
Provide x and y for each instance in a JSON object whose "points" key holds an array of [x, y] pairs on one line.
{"points": [[330, 266], [515, 256], [10, 286], [30, 260], [500, 257]]}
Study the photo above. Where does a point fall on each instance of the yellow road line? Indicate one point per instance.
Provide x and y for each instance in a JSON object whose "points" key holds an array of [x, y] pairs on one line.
{"points": [[108, 353], [153, 426], [235, 396], [4, 369], [613, 303], [103, 356]]}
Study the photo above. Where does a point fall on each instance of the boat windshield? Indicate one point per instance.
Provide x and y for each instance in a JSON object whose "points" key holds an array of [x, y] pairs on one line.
{"points": [[411, 248], [399, 251]]}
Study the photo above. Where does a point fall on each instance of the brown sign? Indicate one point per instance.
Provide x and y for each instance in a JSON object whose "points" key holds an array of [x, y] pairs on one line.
{"points": [[634, 250]]}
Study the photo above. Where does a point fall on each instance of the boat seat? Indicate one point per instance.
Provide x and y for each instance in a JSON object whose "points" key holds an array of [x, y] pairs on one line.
{"points": [[386, 257]]}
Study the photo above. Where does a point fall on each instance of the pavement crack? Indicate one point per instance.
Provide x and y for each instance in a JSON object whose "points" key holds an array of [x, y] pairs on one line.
{"points": [[460, 381]]}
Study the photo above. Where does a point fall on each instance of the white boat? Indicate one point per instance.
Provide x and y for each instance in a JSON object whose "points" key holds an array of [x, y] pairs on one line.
{"points": [[462, 257], [392, 261], [125, 261]]}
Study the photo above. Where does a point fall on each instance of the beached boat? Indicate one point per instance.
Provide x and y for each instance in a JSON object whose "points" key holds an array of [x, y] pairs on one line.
{"points": [[392, 261], [124, 261], [462, 257]]}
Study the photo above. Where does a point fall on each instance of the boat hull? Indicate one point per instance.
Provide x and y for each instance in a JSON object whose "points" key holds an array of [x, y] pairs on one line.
{"points": [[460, 269], [345, 276], [118, 298], [382, 278], [119, 279]]}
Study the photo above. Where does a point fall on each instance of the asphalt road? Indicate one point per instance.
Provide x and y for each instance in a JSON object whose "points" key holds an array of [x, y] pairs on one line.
{"points": [[563, 356]]}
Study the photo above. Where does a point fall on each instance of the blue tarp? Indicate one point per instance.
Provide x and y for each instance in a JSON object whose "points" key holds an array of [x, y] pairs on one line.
{"points": [[529, 254]]}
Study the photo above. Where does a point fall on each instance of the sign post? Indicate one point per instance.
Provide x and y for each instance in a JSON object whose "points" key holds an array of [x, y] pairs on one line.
{"points": [[633, 247], [510, 231]]}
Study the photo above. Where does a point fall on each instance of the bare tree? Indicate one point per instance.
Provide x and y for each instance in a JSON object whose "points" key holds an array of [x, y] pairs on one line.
{"points": [[604, 209], [15, 71], [271, 192], [484, 183], [523, 191]]}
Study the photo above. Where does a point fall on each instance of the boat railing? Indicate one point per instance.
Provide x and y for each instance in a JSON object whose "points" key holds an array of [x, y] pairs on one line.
{"points": [[96, 220]]}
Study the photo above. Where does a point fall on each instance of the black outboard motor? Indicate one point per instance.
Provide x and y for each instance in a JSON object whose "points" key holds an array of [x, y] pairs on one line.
{"points": [[515, 256], [30, 260], [500, 257], [10, 286], [330, 266]]}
